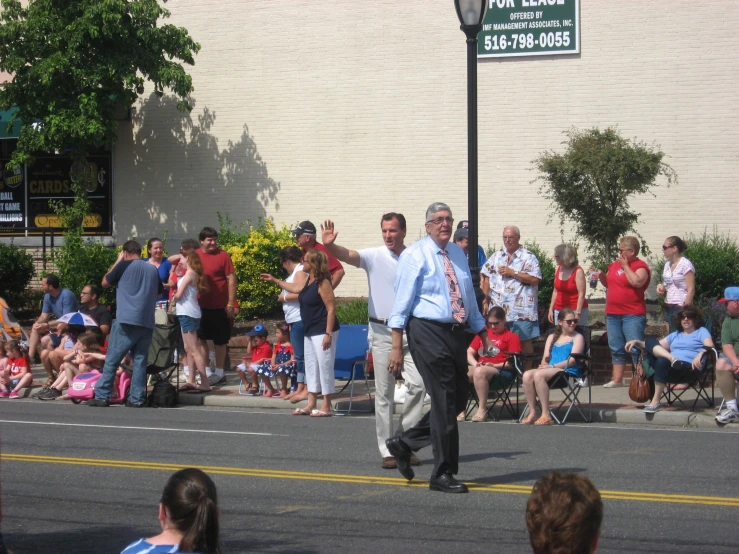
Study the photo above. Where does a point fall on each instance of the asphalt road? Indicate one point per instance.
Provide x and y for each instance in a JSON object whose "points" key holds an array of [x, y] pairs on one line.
{"points": [[79, 479]]}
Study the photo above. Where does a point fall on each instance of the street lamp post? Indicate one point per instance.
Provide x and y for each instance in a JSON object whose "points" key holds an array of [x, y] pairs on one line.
{"points": [[470, 14]]}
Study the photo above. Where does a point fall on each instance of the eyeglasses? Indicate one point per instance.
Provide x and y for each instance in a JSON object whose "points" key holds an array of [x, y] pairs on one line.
{"points": [[440, 220], [513, 237], [494, 322], [668, 246], [572, 321]]}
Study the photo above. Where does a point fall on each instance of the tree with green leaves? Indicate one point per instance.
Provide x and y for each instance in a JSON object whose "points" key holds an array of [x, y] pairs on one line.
{"points": [[591, 183]]}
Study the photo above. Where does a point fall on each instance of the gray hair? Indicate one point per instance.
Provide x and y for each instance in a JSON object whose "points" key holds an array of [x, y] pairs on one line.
{"points": [[515, 230], [567, 255], [437, 207]]}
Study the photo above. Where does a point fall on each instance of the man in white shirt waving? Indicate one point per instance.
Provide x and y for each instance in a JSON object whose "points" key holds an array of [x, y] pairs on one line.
{"points": [[380, 264]]}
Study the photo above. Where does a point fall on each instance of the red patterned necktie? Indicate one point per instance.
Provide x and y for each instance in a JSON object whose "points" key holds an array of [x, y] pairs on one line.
{"points": [[458, 312]]}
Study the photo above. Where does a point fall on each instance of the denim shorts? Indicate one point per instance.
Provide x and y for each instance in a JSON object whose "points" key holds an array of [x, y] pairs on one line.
{"points": [[622, 329], [189, 324], [526, 330]]}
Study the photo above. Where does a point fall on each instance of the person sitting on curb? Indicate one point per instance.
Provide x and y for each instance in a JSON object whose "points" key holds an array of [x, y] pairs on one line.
{"points": [[564, 513], [17, 372], [727, 367], [258, 350]]}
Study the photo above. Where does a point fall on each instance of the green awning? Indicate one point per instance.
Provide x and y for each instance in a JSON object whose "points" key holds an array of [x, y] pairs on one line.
{"points": [[15, 132]]}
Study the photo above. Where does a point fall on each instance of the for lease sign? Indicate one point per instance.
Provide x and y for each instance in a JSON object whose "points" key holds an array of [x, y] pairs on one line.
{"points": [[530, 28]]}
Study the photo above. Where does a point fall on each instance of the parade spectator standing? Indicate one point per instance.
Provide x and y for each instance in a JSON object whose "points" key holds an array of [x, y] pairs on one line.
{"points": [[569, 285], [510, 279], [435, 304], [290, 258], [138, 286], [462, 239], [727, 367], [157, 258], [90, 306], [626, 311], [57, 302], [305, 235], [380, 264], [219, 303], [678, 278]]}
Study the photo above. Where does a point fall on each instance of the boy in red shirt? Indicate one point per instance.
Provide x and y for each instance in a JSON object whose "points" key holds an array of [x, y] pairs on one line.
{"points": [[257, 351], [17, 373], [487, 368]]}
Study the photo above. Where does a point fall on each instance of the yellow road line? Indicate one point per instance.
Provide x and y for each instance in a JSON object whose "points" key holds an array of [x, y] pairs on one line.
{"points": [[361, 479]]}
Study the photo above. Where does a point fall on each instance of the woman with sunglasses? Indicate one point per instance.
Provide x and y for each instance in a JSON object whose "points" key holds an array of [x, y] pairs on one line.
{"points": [[677, 357], [678, 278], [558, 351]]}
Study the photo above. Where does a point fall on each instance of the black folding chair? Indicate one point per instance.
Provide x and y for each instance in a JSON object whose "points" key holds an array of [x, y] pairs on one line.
{"points": [[571, 385], [166, 341], [498, 395]]}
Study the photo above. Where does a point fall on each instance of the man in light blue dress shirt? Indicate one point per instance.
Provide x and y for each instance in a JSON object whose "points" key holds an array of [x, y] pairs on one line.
{"points": [[437, 309]]}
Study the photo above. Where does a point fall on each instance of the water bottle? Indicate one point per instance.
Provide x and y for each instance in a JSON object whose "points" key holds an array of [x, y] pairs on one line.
{"points": [[492, 351], [593, 279]]}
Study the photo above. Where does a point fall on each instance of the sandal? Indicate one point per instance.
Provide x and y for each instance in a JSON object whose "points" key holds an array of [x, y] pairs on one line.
{"points": [[320, 413], [529, 420], [544, 421], [480, 419], [300, 411], [462, 417]]}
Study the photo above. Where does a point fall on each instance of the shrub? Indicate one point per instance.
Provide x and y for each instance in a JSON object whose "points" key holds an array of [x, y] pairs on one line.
{"points": [[258, 253], [546, 286], [81, 263], [16, 271], [353, 312], [716, 261]]}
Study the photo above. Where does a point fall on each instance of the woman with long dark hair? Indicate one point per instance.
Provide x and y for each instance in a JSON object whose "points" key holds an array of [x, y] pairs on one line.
{"points": [[188, 514]]}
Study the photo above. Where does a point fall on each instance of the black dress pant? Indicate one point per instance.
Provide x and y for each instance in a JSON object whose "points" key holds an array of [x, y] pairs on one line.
{"points": [[440, 354]]}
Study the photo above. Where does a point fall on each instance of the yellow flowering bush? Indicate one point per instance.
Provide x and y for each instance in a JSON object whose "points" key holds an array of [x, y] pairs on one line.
{"points": [[258, 252]]}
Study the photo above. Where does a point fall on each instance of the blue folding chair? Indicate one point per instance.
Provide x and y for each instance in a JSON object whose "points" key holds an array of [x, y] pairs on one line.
{"points": [[351, 362]]}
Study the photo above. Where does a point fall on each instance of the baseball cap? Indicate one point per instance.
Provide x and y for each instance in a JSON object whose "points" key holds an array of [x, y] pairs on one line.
{"points": [[731, 293], [461, 234], [305, 227], [258, 331], [463, 224]]}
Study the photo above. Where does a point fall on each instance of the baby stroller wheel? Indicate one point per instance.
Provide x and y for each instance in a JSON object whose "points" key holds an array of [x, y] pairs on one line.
{"points": [[76, 400]]}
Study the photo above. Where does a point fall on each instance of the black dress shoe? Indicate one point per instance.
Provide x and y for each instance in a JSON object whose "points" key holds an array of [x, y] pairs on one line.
{"points": [[130, 404], [446, 483], [402, 454], [98, 403]]}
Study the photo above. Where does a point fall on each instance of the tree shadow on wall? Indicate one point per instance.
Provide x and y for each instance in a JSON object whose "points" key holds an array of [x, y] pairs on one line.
{"points": [[178, 177]]}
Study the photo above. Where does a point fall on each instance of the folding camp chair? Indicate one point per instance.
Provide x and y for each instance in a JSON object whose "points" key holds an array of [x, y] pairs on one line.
{"points": [[699, 383], [571, 386], [165, 342], [10, 329], [351, 363], [499, 394]]}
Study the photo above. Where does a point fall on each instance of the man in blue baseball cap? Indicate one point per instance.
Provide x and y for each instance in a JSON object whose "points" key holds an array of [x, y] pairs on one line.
{"points": [[727, 367]]}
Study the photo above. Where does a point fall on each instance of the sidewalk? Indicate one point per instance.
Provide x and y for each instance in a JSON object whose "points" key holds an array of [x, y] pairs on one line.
{"points": [[609, 405]]}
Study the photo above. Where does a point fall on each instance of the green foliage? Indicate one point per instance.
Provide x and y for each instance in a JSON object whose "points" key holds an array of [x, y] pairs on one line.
{"points": [[353, 312], [258, 253], [716, 260], [79, 65], [230, 234], [16, 271], [591, 184], [79, 264], [546, 263]]}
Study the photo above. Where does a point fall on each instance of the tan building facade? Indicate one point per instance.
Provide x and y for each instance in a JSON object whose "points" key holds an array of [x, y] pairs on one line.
{"points": [[349, 109]]}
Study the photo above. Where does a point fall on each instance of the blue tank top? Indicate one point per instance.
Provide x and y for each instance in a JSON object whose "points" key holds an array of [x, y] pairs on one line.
{"points": [[559, 353], [313, 312]]}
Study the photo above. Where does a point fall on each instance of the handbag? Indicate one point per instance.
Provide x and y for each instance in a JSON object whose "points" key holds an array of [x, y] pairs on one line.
{"points": [[639, 388]]}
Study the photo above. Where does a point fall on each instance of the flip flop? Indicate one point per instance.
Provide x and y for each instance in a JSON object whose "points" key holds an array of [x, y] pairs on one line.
{"points": [[187, 387], [196, 391], [300, 411], [529, 420], [319, 413], [544, 421]]}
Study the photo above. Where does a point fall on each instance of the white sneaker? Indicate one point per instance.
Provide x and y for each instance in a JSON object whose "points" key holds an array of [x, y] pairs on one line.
{"points": [[613, 385], [584, 382], [727, 415]]}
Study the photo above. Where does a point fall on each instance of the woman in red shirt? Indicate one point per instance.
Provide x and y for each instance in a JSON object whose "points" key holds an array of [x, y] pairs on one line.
{"points": [[626, 311], [569, 285]]}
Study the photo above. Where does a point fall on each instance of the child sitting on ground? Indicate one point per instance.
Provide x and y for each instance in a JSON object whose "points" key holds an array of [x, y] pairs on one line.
{"points": [[17, 373], [3, 356], [85, 357], [283, 363], [257, 351]]}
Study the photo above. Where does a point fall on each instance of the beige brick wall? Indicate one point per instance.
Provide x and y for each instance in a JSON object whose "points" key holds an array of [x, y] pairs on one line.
{"points": [[348, 109]]}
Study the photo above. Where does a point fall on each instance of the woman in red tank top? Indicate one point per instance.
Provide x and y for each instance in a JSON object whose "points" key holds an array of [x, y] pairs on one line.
{"points": [[569, 285]]}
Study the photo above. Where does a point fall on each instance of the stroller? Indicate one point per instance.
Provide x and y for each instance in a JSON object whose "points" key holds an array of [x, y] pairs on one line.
{"points": [[10, 329], [82, 387]]}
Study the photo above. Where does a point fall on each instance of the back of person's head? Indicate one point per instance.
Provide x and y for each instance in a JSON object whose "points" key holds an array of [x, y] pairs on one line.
{"points": [[12, 347], [75, 330], [196, 264], [95, 290], [498, 313], [566, 254], [98, 334], [131, 247], [207, 233], [564, 514], [53, 281], [90, 341], [292, 253], [191, 502], [189, 244]]}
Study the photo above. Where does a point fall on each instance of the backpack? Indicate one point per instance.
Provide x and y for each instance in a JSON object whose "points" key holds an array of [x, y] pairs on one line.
{"points": [[164, 395]]}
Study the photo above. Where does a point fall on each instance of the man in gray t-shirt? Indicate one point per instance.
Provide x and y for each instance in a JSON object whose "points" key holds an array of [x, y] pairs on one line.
{"points": [[138, 287]]}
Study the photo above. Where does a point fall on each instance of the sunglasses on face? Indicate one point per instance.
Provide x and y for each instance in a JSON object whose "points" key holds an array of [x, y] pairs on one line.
{"points": [[571, 321], [668, 246], [687, 317]]}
